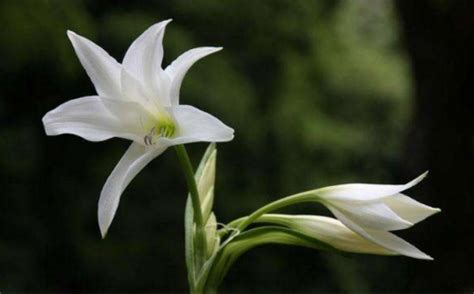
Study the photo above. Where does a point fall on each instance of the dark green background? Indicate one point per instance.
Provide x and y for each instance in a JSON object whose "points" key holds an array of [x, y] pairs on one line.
{"points": [[319, 93]]}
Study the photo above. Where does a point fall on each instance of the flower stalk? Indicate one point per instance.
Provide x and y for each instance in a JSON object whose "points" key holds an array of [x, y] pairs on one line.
{"points": [[200, 234], [242, 223]]}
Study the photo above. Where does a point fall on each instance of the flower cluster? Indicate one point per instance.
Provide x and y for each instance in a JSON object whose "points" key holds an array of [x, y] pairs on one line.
{"points": [[139, 101]]}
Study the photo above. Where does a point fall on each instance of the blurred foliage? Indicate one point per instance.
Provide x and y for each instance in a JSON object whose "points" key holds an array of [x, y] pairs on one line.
{"points": [[317, 91]]}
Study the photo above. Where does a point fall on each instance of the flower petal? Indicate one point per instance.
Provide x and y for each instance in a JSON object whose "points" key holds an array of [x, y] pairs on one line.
{"points": [[135, 91], [372, 215], [179, 67], [195, 125], [328, 230], [364, 192], [409, 209], [132, 162], [96, 119], [143, 60], [103, 70], [385, 239]]}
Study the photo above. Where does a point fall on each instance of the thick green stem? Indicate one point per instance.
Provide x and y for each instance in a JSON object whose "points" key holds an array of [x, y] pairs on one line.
{"points": [[200, 237]]}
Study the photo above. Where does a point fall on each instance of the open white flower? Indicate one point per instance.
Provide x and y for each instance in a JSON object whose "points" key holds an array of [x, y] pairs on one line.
{"points": [[136, 100], [374, 210]]}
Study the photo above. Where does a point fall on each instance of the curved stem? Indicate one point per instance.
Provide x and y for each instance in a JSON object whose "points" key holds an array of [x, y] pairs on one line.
{"points": [[242, 223]]}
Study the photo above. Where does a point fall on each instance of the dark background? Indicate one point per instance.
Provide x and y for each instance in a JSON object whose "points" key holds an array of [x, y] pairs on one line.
{"points": [[319, 93]]}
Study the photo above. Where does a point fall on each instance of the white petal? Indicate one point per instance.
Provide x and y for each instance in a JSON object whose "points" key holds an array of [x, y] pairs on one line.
{"points": [[143, 60], [132, 162], [391, 241], [372, 215], [103, 70], [328, 230], [135, 91], [385, 239], [178, 68], [409, 209], [195, 125], [364, 192], [96, 119]]}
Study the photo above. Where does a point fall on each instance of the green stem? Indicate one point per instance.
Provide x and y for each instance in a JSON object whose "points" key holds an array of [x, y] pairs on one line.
{"points": [[191, 181], [242, 223], [200, 238]]}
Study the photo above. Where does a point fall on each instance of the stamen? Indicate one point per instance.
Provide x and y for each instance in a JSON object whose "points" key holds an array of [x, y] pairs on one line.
{"points": [[148, 139], [165, 128]]}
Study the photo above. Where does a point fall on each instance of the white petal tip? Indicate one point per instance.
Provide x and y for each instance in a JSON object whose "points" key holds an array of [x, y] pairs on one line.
{"points": [[434, 210], [231, 134], [425, 257], [215, 49], [416, 180], [157, 27], [421, 177], [71, 34], [210, 50], [104, 223], [408, 224], [103, 230]]}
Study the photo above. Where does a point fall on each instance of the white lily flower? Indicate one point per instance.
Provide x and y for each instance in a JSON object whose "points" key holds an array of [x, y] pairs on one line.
{"points": [[373, 210], [136, 100]]}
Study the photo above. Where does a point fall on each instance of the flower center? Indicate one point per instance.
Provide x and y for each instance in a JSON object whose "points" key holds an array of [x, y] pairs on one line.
{"points": [[164, 127]]}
